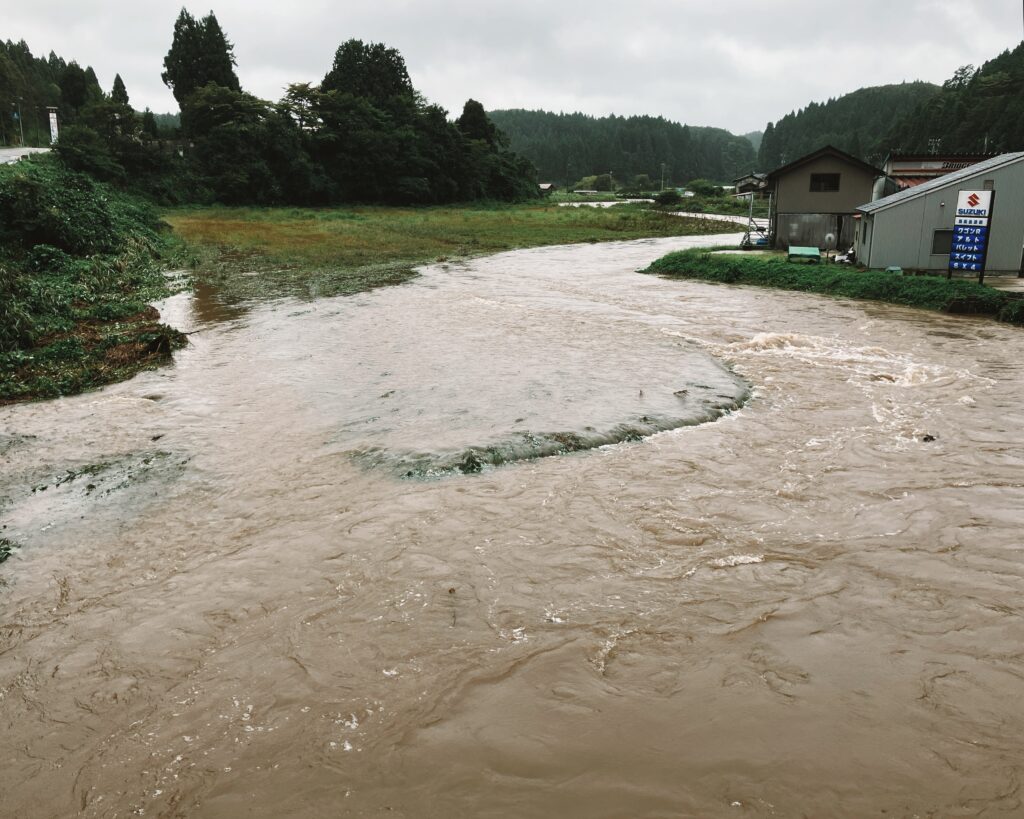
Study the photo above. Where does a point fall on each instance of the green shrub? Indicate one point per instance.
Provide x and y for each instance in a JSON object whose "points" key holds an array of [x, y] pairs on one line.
{"points": [[928, 292], [669, 198], [1013, 312], [74, 254]]}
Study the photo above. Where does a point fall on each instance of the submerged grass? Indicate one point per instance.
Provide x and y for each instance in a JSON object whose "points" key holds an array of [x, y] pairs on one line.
{"points": [[927, 292], [258, 252]]}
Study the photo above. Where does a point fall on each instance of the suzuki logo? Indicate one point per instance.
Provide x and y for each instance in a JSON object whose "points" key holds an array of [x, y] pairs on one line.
{"points": [[973, 200]]}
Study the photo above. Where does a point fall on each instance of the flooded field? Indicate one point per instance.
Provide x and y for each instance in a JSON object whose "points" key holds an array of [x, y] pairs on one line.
{"points": [[773, 564]]}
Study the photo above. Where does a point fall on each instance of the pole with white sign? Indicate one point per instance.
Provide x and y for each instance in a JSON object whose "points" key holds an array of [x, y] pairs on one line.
{"points": [[53, 124], [971, 232]]}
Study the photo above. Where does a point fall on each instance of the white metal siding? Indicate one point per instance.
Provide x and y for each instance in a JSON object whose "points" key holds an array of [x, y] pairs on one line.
{"points": [[902, 234]]}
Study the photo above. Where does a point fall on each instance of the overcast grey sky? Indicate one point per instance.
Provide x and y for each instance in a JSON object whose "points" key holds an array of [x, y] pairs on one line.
{"points": [[731, 63]]}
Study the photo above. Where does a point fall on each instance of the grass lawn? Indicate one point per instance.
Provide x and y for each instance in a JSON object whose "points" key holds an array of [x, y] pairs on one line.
{"points": [[266, 252]]}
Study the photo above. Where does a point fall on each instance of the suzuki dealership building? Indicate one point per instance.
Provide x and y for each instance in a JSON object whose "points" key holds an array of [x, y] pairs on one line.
{"points": [[920, 228]]}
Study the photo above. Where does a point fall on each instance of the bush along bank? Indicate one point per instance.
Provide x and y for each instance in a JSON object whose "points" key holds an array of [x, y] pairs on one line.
{"points": [[927, 292], [78, 264]]}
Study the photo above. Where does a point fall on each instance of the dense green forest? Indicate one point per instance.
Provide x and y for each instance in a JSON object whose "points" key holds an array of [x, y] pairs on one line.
{"points": [[572, 146], [29, 85], [977, 110], [362, 135], [857, 123]]}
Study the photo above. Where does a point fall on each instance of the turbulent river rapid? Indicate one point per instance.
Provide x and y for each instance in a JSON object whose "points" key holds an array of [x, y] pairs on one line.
{"points": [[745, 553]]}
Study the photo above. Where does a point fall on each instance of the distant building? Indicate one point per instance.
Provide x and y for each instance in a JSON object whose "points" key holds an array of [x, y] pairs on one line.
{"points": [[817, 195], [910, 170], [756, 183], [547, 188], [913, 229]]}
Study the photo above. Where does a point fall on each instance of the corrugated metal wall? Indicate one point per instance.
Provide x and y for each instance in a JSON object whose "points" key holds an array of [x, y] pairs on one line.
{"points": [[902, 235]]}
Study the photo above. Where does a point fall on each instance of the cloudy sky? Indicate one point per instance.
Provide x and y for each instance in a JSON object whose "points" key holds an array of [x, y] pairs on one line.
{"points": [[731, 63]]}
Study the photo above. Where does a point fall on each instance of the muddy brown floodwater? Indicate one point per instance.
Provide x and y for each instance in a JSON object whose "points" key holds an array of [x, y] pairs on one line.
{"points": [[257, 582]]}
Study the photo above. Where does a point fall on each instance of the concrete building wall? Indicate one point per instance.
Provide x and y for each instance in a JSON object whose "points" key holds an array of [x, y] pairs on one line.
{"points": [[810, 229], [902, 235]]}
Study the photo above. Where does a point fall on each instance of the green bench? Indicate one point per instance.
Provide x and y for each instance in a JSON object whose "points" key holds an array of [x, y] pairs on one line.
{"points": [[810, 254]]}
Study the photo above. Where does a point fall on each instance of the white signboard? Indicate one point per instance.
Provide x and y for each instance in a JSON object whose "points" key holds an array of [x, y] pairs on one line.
{"points": [[53, 127], [973, 205]]}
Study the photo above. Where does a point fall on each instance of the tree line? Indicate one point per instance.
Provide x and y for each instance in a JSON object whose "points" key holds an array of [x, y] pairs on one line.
{"points": [[565, 148], [363, 134], [977, 110], [858, 123]]}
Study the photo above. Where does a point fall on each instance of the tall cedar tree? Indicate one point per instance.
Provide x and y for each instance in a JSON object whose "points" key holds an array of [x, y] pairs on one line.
{"points": [[74, 86], [200, 54], [119, 93]]}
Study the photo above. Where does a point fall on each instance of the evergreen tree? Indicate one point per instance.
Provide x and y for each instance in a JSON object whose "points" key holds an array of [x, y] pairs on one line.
{"points": [[149, 126], [119, 93], [474, 123], [74, 87], [218, 58], [374, 72], [180, 63], [767, 155], [200, 54]]}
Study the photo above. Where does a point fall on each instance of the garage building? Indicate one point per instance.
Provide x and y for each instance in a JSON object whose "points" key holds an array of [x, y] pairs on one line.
{"points": [[913, 229]]}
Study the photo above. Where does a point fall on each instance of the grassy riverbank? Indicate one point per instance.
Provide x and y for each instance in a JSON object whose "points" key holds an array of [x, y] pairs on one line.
{"points": [[927, 292], [79, 264], [265, 252]]}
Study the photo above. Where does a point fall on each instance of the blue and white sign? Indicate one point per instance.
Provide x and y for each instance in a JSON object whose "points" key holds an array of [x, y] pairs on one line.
{"points": [[970, 231]]}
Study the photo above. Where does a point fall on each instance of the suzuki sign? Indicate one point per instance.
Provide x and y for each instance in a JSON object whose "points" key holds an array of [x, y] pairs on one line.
{"points": [[970, 232]]}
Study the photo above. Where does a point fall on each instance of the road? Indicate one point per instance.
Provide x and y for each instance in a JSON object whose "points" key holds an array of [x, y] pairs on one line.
{"points": [[9, 155]]}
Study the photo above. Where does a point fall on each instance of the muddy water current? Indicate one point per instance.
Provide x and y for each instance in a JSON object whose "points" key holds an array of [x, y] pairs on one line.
{"points": [[772, 563]]}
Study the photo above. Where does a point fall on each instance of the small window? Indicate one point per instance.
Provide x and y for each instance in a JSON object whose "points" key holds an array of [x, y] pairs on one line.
{"points": [[824, 182], [942, 242], [988, 185]]}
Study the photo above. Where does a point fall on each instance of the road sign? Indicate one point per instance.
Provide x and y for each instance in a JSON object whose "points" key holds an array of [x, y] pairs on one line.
{"points": [[971, 232]]}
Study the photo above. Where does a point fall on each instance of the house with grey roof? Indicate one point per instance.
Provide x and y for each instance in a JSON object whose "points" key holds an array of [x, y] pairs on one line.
{"points": [[913, 229]]}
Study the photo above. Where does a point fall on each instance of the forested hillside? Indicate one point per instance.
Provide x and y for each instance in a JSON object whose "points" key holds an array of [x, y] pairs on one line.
{"points": [[857, 123], [571, 146], [976, 110]]}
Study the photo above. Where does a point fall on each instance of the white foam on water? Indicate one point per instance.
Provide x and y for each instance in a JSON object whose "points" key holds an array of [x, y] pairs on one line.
{"points": [[737, 560]]}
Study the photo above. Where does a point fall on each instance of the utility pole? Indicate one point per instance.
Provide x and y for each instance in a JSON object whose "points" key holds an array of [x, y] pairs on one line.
{"points": [[21, 125], [663, 176]]}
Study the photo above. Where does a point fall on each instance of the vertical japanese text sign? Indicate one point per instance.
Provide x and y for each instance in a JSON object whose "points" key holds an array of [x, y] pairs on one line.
{"points": [[971, 231]]}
